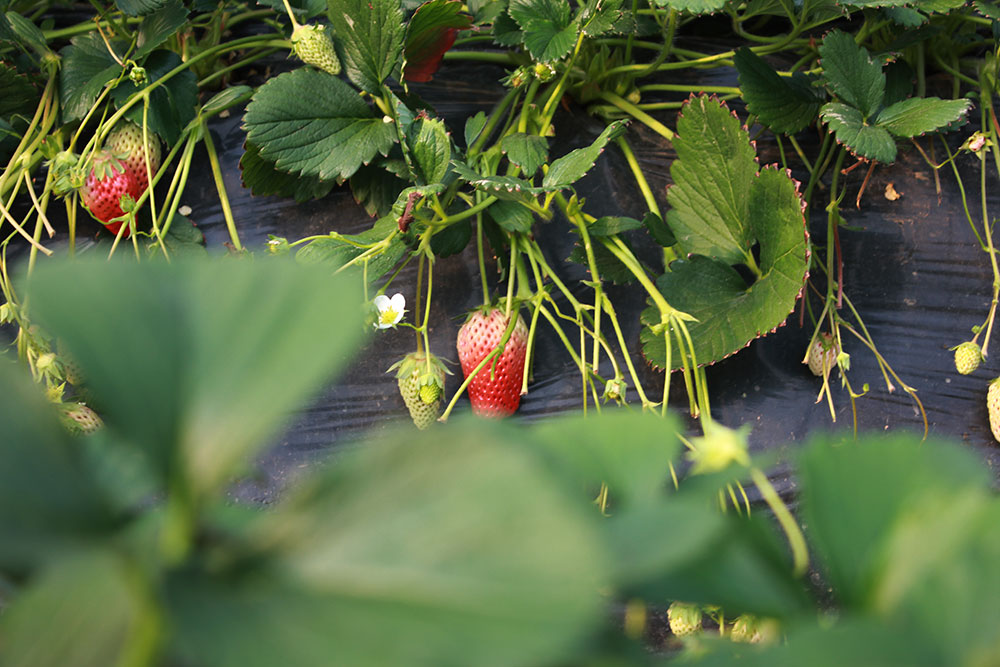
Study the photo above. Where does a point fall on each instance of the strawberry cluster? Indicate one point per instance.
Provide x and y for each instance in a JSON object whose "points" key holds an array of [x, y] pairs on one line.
{"points": [[119, 173]]}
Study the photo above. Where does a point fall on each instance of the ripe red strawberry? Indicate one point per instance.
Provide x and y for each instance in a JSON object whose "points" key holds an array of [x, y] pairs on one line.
{"points": [[104, 188], [421, 384], [493, 393], [125, 141]]}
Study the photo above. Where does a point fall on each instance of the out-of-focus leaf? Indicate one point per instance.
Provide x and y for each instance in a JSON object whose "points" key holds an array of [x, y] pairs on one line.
{"points": [[95, 603], [854, 496], [46, 504], [172, 105], [228, 339], [370, 33], [308, 122], [460, 548], [159, 26], [430, 32]]}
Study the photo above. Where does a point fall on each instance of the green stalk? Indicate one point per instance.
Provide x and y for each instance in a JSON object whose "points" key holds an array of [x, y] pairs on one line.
{"points": [[220, 186]]}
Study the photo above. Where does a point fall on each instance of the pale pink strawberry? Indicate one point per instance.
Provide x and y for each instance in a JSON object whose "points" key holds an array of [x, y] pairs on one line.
{"points": [[493, 393], [104, 188], [125, 141]]}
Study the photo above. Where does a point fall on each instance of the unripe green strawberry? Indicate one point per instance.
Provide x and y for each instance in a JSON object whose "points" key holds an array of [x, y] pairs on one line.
{"points": [[314, 47], [420, 378], [968, 356], [79, 419], [993, 406], [125, 141], [823, 355], [685, 618], [745, 629]]}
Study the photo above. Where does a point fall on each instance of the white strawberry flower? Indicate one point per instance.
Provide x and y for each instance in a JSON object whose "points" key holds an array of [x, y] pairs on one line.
{"points": [[390, 311]]}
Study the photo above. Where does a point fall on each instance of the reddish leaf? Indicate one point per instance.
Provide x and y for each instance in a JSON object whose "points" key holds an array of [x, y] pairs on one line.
{"points": [[431, 32]]}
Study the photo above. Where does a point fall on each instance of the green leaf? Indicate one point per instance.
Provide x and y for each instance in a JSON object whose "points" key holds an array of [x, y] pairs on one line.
{"points": [[429, 33], [458, 547], [86, 68], [370, 33], [335, 251], [226, 98], [506, 187], [473, 127], [600, 16], [92, 599], [906, 17], [856, 495], [693, 6], [588, 451], [46, 505], [527, 151], [574, 165], [140, 7], [722, 209], [851, 72], [864, 140], [172, 105], [158, 26], [659, 230], [262, 178], [20, 95], [609, 266], [549, 31], [452, 239], [917, 116], [431, 149], [376, 189], [988, 9], [610, 225], [786, 105], [27, 32], [304, 10], [511, 216], [506, 31], [314, 124], [219, 384], [712, 175]]}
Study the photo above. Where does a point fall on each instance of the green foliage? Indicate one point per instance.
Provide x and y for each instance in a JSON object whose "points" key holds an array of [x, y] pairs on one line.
{"points": [[722, 208], [20, 94], [571, 167], [171, 105], [693, 6], [370, 36], [338, 249], [427, 36], [549, 31], [159, 25], [527, 151], [262, 178], [140, 7], [87, 67], [786, 105], [431, 148], [862, 122], [308, 122]]}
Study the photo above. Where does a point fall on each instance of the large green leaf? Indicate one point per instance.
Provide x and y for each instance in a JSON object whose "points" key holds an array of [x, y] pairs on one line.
{"points": [[46, 505], [210, 361], [851, 129], [712, 177], [370, 33], [852, 74], [171, 105], [92, 599], [693, 6], [26, 32], [86, 68], [338, 249], [458, 547], [855, 495], [722, 209], [549, 31], [574, 165], [308, 122], [786, 105], [919, 115], [160, 25]]}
